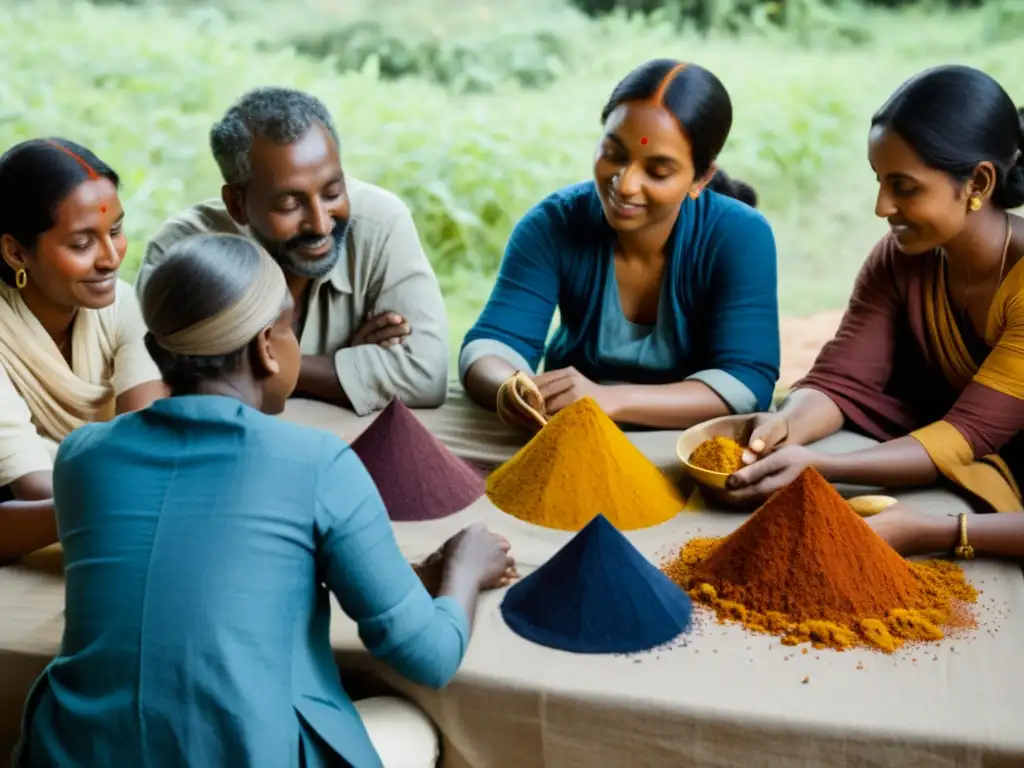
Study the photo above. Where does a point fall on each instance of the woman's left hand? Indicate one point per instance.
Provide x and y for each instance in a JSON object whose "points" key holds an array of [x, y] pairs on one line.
{"points": [[565, 386], [754, 483]]}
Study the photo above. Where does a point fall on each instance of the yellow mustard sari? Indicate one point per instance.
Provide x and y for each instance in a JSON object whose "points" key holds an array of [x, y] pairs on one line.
{"points": [[1002, 371]]}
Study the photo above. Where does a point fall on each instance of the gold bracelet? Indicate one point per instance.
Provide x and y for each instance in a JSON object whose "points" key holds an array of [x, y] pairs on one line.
{"points": [[965, 551]]}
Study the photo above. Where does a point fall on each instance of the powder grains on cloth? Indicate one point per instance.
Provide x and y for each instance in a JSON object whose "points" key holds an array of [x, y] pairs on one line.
{"points": [[416, 474], [805, 566], [577, 466], [719, 454], [598, 594]]}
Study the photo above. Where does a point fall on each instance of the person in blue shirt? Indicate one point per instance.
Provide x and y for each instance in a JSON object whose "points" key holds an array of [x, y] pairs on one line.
{"points": [[663, 273], [202, 538]]}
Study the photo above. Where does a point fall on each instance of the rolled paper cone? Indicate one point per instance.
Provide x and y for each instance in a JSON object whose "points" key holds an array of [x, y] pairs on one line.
{"points": [[519, 384]]}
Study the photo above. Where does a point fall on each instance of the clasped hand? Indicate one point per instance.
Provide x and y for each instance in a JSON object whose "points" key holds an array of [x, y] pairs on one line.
{"points": [[385, 330]]}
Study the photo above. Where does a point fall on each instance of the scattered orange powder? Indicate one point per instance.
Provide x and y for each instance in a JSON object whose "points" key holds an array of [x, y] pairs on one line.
{"points": [[805, 567], [719, 454]]}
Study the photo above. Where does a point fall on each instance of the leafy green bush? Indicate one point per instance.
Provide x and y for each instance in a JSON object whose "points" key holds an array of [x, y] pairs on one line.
{"points": [[142, 86], [529, 58], [1005, 21], [733, 14]]}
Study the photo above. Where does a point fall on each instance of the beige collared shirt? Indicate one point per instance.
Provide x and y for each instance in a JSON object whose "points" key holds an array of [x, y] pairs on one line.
{"points": [[384, 269]]}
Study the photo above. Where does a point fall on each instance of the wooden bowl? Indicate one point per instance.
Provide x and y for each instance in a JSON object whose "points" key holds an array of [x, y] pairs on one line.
{"points": [[736, 428]]}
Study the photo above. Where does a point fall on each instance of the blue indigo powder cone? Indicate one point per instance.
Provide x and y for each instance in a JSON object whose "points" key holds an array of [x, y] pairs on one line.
{"points": [[598, 594]]}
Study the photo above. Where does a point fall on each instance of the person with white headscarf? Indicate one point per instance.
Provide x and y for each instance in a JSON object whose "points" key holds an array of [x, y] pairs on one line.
{"points": [[202, 537]]}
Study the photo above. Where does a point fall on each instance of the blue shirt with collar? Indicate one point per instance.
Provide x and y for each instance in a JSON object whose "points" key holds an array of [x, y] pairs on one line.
{"points": [[201, 541]]}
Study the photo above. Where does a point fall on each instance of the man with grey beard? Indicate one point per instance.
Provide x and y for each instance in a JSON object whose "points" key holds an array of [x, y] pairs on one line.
{"points": [[370, 317]]}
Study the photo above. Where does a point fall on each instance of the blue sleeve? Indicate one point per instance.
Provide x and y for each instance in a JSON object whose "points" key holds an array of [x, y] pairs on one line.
{"points": [[744, 308], [518, 313], [424, 639]]}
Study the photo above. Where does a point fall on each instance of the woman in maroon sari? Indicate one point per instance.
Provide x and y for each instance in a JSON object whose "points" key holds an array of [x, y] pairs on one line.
{"points": [[929, 357]]}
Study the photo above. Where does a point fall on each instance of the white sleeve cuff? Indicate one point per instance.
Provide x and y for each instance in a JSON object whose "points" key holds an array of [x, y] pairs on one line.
{"points": [[483, 348], [734, 392]]}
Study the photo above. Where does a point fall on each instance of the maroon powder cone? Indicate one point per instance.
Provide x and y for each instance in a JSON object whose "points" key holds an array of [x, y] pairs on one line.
{"points": [[416, 474]]}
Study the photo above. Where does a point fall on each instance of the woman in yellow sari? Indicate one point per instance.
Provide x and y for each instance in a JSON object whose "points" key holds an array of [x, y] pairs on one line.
{"points": [[71, 334], [929, 357]]}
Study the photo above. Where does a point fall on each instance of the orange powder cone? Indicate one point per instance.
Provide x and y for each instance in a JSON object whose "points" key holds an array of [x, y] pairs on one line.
{"points": [[805, 553], [579, 465]]}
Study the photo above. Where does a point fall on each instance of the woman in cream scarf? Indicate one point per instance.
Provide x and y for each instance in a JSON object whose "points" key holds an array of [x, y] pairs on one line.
{"points": [[71, 336]]}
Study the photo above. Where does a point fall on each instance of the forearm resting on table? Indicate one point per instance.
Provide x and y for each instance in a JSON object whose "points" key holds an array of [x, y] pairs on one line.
{"points": [[484, 377], [462, 587], [810, 416], [26, 526], [899, 463], [667, 406], [430, 654], [318, 380], [992, 535]]}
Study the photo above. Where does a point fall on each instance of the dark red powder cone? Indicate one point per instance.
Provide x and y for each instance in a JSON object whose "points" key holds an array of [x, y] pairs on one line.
{"points": [[417, 476]]}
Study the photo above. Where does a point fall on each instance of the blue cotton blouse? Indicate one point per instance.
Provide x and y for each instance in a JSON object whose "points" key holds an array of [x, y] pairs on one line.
{"points": [[202, 539], [718, 318]]}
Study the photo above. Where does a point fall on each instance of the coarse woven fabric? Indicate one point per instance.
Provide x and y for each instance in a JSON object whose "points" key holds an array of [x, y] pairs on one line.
{"points": [[597, 594], [725, 699], [476, 434]]}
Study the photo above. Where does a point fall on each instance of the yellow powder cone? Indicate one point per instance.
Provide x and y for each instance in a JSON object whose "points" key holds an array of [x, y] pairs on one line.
{"points": [[579, 465]]}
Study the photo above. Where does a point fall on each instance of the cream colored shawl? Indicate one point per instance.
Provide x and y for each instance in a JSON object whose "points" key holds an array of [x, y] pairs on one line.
{"points": [[60, 399]]}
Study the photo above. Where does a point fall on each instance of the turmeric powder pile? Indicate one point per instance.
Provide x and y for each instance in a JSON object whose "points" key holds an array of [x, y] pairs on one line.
{"points": [[719, 454], [577, 466], [807, 568]]}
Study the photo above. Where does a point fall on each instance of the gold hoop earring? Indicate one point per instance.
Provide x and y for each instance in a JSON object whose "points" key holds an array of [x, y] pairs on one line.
{"points": [[21, 278], [975, 204]]}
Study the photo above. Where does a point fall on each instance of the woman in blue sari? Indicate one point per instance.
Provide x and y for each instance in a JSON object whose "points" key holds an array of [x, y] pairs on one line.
{"points": [[202, 539], [663, 273]]}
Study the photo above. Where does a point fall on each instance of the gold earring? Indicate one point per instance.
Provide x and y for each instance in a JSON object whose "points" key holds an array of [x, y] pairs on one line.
{"points": [[20, 278], [975, 204]]}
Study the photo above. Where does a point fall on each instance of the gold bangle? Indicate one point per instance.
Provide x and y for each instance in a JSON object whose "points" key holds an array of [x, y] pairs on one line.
{"points": [[965, 551]]}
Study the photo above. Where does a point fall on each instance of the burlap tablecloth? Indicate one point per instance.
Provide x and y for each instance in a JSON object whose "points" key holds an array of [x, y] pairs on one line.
{"points": [[471, 432], [727, 698]]}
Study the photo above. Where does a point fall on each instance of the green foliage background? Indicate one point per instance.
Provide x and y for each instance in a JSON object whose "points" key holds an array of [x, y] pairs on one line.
{"points": [[473, 111]]}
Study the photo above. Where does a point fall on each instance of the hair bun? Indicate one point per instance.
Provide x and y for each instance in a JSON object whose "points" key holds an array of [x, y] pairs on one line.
{"points": [[726, 185], [1020, 153], [744, 192], [1010, 194]]}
